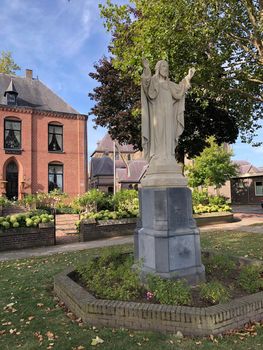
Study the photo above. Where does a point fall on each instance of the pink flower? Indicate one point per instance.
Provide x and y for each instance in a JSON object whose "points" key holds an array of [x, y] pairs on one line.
{"points": [[149, 295]]}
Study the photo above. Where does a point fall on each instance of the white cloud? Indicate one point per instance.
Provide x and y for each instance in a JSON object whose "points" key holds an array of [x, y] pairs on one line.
{"points": [[60, 40]]}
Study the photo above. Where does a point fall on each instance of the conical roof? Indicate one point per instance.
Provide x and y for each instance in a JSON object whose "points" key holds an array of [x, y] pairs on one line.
{"points": [[11, 88]]}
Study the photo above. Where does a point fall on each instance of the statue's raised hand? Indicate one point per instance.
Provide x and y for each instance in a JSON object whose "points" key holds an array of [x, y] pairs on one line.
{"points": [[191, 73], [145, 63]]}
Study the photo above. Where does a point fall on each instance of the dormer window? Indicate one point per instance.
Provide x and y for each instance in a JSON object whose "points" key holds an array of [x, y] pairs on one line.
{"points": [[11, 94], [55, 138]]}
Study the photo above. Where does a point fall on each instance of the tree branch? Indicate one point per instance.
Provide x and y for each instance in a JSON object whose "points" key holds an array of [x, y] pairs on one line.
{"points": [[246, 94], [251, 14], [245, 47]]}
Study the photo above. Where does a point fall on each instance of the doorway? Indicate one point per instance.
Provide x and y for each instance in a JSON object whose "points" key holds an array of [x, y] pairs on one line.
{"points": [[12, 180]]}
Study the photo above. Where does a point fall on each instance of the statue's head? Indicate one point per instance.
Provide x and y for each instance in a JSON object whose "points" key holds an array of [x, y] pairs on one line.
{"points": [[162, 68]]}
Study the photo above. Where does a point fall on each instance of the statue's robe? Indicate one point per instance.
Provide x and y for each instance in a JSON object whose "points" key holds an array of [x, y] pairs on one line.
{"points": [[163, 105]]}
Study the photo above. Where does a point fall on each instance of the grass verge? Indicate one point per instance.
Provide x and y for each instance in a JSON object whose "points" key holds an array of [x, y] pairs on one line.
{"points": [[30, 317]]}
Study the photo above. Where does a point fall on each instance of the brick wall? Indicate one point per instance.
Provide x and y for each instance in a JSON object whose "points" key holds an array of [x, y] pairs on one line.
{"points": [[91, 229], [243, 190], [191, 321], [27, 237], [32, 161]]}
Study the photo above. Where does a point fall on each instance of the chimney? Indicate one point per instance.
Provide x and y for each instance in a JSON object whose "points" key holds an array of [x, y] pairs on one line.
{"points": [[29, 74]]}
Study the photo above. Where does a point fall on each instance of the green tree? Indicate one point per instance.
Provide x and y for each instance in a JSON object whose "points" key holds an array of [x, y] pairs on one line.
{"points": [[7, 63], [212, 168], [117, 107], [222, 39]]}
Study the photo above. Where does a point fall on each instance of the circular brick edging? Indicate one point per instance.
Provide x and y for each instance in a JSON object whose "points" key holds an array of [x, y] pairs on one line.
{"points": [[191, 321]]}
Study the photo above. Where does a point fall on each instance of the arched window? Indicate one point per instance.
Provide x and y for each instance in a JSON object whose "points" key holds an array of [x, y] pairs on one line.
{"points": [[12, 133], [55, 137], [55, 176]]}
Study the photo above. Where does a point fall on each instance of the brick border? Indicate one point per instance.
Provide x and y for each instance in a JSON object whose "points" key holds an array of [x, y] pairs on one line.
{"points": [[213, 218], [27, 237], [191, 321], [91, 229]]}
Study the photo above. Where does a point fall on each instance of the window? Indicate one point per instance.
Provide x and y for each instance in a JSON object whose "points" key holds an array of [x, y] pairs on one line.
{"points": [[259, 188], [11, 99], [55, 177], [55, 138], [240, 183], [12, 134]]}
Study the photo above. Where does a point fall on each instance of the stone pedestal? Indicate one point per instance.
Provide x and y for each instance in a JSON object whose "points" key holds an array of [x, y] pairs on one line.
{"points": [[164, 173], [168, 243]]}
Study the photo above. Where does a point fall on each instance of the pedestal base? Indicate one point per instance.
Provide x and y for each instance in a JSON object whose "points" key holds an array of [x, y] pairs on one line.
{"points": [[169, 243], [164, 173]]}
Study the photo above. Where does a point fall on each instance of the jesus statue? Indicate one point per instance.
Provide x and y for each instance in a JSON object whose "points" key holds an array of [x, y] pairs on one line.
{"points": [[163, 104]]}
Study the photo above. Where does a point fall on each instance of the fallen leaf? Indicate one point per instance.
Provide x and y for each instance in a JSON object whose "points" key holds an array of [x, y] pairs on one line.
{"points": [[50, 335], [179, 335], [39, 336], [97, 341]]}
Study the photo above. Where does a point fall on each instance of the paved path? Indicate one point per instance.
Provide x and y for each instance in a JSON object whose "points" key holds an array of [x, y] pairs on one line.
{"points": [[44, 251], [243, 221]]}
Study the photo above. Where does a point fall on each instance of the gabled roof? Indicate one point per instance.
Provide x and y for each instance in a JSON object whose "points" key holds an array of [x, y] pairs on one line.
{"points": [[101, 166], [33, 93], [106, 145], [104, 167], [246, 169], [137, 170]]}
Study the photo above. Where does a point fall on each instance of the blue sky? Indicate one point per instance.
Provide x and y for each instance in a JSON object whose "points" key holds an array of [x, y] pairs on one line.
{"points": [[60, 41]]}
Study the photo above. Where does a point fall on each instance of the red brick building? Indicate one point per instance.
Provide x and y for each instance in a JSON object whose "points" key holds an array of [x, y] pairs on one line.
{"points": [[43, 140]]}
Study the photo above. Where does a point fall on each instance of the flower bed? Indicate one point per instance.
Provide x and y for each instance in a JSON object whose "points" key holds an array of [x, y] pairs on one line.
{"points": [[213, 218], [193, 321], [24, 230]]}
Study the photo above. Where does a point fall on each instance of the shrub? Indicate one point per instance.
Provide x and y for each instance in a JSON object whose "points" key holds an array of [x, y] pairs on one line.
{"points": [[204, 203], [4, 202], [110, 276], [199, 209], [127, 201], [46, 201], [214, 292], [200, 197], [221, 264], [251, 278], [109, 215], [168, 291], [93, 200], [25, 220], [217, 200]]}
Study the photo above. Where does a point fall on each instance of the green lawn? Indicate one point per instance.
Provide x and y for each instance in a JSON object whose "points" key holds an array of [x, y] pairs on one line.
{"points": [[30, 317]]}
